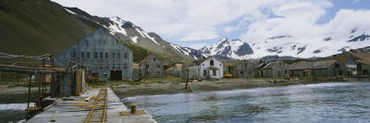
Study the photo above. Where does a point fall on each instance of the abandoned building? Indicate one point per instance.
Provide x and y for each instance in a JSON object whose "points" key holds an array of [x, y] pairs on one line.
{"points": [[328, 68], [350, 58], [245, 69], [207, 68], [230, 69], [363, 67], [275, 69], [101, 54], [175, 71], [150, 67]]}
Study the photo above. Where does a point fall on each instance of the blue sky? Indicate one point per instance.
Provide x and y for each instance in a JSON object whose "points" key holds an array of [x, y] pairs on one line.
{"points": [[198, 23]]}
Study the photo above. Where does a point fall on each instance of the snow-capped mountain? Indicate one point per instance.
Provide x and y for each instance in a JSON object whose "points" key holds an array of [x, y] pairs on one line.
{"points": [[312, 46], [225, 49], [321, 45], [134, 35]]}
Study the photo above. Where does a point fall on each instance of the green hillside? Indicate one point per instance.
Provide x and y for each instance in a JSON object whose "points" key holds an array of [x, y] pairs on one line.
{"points": [[35, 27]]}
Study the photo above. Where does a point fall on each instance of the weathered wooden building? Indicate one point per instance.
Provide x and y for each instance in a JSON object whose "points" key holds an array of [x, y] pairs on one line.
{"points": [[230, 69], [175, 71], [326, 68], [349, 58], [245, 69], [363, 67], [275, 69], [101, 54], [150, 67], [207, 68]]}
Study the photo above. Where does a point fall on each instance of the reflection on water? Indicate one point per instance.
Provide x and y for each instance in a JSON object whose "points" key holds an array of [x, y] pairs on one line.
{"points": [[325, 102]]}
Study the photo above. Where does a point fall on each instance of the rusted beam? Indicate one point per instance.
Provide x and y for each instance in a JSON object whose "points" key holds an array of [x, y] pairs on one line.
{"points": [[93, 108], [29, 92], [105, 106], [32, 70]]}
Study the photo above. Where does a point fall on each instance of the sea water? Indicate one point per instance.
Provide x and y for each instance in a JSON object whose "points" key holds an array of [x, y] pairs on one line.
{"points": [[324, 102], [13, 112]]}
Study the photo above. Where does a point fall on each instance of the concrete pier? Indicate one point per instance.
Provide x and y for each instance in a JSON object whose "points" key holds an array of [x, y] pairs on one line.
{"points": [[75, 109]]}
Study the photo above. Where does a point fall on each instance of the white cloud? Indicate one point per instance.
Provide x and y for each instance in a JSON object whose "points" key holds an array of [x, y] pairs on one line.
{"points": [[198, 45], [295, 18]]}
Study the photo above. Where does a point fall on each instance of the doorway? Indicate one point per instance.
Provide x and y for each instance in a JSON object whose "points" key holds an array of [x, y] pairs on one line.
{"points": [[115, 75]]}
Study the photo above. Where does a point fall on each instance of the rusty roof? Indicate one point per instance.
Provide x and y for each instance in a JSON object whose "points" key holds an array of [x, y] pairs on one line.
{"points": [[360, 55], [178, 66], [366, 62], [135, 66], [311, 65], [341, 59]]}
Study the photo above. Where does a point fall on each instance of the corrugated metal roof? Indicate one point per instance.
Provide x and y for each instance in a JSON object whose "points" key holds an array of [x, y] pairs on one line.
{"points": [[366, 62], [311, 65], [360, 55]]}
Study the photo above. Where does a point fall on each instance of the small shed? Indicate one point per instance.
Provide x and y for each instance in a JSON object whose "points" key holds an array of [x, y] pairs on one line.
{"points": [[150, 67]]}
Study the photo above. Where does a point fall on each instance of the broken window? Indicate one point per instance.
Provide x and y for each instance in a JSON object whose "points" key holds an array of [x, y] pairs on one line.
{"points": [[88, 55], [82, 54]]}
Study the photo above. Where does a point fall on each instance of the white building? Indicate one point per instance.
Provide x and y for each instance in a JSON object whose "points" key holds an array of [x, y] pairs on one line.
{"points": [[207, 68]]}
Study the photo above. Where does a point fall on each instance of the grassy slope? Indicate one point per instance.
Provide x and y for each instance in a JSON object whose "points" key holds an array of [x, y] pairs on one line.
{"points": [[34, 27]]}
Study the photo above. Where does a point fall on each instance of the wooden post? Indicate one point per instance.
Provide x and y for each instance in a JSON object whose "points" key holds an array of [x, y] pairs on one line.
{"points": [[29, 92], [54, 118], [38, 96], [133, 108], [186, 84]]}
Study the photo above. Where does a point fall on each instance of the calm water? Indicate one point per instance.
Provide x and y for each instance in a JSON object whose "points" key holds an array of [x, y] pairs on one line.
{"points": [[324, 102]]}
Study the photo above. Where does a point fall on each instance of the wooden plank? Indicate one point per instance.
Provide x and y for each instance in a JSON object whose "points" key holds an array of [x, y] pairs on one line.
{"points": [[55, 116]]}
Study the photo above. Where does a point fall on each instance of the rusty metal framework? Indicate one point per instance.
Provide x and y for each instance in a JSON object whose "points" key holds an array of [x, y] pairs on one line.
{"points": [[38, 66]]}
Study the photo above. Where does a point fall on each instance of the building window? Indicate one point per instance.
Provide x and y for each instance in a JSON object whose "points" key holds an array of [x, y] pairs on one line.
{"points": [[125, 55], [118, 55], [88, 55], [214, 72], [95, 54], [74, 54], [147, 66], [125, 66], [106, 55], [204, 73], [158, 66], [241, 72], [101, 54], [220, 64], [337, 65], [114, 55], [82, 54], [211, 62], [154, 59]]}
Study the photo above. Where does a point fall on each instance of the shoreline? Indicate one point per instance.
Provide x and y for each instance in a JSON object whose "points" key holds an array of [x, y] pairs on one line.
{"points": [[127, 90]]}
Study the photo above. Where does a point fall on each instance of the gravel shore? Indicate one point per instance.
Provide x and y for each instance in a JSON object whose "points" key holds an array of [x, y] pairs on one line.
{"points": [[126, 90]]}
